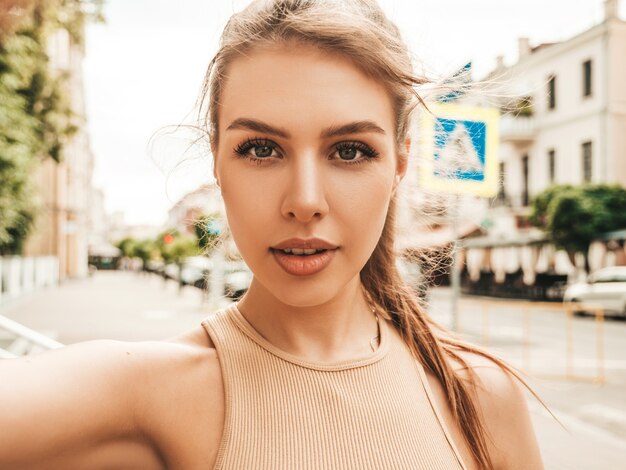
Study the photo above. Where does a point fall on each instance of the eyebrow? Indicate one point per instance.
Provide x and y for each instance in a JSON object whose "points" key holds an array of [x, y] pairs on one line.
{"points": [[258, 126], [356, 127]]}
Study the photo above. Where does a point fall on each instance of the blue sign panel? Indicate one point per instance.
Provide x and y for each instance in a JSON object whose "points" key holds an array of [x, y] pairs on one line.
{"points": [[460, 149], [461, 144]]}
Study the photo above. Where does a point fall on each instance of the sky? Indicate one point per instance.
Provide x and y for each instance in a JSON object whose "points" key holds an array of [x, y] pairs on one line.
{"points": [[145, 65]]}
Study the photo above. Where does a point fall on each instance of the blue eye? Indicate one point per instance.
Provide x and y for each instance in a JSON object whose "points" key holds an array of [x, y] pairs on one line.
{"points": [[348, 152], [260, 150], [263, 151], [256, 149]]}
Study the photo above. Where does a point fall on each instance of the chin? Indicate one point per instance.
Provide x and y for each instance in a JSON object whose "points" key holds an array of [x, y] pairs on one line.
{"points": [[301, 292], [308, 294]]}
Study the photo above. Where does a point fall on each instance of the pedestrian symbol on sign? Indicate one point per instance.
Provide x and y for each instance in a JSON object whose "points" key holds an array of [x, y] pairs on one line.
{"points": [[459, 149]]}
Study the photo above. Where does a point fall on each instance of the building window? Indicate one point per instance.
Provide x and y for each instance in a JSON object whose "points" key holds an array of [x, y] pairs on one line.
{"points": [[552, 92], [587, 75], [551, 164], [587, 160], [525, 198]]}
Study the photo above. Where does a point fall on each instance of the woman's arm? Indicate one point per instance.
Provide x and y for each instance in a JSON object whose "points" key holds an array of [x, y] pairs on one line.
{"points": [[72, 406]]}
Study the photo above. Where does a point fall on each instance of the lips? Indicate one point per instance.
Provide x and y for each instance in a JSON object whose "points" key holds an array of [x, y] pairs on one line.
{"points": [[305, 244], [303, 265], [303, 257]]}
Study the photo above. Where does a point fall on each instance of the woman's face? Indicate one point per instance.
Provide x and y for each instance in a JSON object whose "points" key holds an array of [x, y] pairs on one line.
{"points": [[306, 150]]}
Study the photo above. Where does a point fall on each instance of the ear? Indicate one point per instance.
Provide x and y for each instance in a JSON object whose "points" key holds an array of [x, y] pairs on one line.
{"points": [[403, 160], [214, 165]]}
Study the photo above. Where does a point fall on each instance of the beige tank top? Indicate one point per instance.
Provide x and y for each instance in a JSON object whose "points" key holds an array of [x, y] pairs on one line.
{"points": [[285, 413]]}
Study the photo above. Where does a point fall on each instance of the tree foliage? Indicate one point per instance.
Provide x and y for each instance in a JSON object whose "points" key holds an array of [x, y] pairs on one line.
{"points": [[179, 247], [574, 216], [36, 119], [145, 250], [127, 246], [207, 229], [171, 246]]}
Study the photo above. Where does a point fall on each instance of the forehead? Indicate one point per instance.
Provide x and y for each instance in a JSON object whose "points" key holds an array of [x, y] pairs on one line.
{"points": [[300, 87]]}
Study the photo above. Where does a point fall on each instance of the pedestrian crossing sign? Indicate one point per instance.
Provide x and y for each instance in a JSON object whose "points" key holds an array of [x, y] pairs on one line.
{"points": [[459, 146]]}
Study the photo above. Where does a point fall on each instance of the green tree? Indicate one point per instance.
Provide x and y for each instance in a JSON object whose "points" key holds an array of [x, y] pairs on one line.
{"points": [[182, 247], [574, 216], [208, 229], [174, 247], [127, 246], [19, 141], [145, 250], [36, 119]]}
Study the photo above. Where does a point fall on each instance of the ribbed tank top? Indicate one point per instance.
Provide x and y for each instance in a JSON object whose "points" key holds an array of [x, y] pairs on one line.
{"points": [[286, 413]]}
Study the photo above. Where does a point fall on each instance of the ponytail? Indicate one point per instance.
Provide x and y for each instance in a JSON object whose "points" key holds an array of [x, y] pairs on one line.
{"points": [[430, 343]]}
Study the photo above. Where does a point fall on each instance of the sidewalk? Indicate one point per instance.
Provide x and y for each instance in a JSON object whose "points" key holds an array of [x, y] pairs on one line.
{"points": [[116, 305], [130, 306], [593, 414]]}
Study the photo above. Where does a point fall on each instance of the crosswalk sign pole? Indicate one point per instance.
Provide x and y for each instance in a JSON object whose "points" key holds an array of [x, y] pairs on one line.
{"points": [[460, 149], [455, 268]]}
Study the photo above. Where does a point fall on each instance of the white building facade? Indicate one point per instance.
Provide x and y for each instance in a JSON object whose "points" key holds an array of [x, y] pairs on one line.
{"points": [[564, 122], [573, 129]]}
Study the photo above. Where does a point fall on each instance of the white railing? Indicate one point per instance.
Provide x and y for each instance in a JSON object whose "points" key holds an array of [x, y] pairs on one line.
{"points": [[21, 275], [18, 340]]}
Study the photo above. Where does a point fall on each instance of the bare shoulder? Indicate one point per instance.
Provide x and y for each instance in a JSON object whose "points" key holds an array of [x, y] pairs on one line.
{"points": [[182, 409], [502, 404]]}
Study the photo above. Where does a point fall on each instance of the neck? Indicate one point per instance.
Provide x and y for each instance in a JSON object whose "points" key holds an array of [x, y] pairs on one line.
{"points": [[341, 328]]}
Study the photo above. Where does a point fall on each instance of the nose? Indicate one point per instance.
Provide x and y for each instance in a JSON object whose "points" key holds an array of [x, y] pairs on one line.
{"points": [[305, 197]]}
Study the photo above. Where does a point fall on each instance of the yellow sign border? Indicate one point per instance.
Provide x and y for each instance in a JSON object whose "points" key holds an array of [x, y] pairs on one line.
{"points": [[491, 117]]}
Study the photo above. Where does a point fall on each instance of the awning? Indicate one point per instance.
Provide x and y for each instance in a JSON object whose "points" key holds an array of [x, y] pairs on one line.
{"points": [[104, 250], [439, 237], [522, 239], [615, 235]]}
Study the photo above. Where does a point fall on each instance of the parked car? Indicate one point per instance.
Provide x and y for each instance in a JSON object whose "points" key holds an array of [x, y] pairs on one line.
{"points": [[237, 279], [171, 271], [155, 266], [195, 271], [604, 288]]}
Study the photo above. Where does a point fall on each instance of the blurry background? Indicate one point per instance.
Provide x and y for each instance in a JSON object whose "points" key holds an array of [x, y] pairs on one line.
{"points": [[107, 214]]}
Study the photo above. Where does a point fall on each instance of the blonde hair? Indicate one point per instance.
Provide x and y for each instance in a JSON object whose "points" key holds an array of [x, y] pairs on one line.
{"points": [[359, 31]]}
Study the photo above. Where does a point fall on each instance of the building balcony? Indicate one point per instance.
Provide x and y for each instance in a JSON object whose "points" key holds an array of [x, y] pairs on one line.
{"points": [[517, 129]]}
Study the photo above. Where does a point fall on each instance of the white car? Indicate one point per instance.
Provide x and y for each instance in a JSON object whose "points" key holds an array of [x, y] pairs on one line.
{"points": [[605, 288], [237, 279], [195, 271]]}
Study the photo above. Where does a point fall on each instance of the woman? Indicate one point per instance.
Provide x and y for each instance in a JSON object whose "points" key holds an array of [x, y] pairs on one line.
{"points": [[328, 361]]}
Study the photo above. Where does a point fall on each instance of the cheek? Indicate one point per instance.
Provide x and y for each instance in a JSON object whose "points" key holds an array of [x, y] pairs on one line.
{"points": [[360, 209], [250, 206]]}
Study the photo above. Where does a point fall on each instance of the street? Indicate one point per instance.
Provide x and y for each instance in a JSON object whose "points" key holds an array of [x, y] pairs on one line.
{"points": [[593, 414], [134, 307]]}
